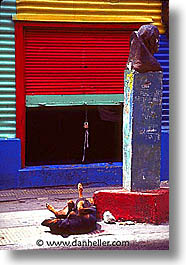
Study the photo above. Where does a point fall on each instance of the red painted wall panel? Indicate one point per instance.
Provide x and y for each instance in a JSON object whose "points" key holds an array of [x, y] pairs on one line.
{"points": [[75, 60], [20, 89]]}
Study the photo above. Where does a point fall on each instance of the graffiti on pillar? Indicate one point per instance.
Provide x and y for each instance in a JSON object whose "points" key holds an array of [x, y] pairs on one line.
{"points": [[142, 130], [146, 138]]}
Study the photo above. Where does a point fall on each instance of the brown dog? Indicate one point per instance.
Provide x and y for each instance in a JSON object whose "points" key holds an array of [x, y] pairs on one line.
{"points": [[74, 218]]}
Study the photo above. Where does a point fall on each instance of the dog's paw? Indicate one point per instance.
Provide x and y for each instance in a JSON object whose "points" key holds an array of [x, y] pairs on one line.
{"points": [[49, 207], [80, 186]]}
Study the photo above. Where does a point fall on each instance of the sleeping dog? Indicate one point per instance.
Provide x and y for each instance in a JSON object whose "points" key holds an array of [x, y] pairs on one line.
{"points": [[75, 218]]}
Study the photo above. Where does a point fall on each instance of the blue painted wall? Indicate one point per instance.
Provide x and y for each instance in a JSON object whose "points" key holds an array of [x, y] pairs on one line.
{"points": [[164, 172], [10, 163], [163, 57], [96, 175]]}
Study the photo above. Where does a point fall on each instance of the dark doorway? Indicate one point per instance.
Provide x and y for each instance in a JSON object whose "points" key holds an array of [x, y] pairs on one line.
{"points": [[55, 135]]}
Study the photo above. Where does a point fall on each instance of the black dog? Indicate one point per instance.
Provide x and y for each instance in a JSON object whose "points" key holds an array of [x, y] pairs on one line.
{"points": [[75, 218]]}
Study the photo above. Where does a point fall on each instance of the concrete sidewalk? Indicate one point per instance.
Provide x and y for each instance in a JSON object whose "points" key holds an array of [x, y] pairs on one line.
{"points": [[36, 198], [22, 230], [22, 212]]}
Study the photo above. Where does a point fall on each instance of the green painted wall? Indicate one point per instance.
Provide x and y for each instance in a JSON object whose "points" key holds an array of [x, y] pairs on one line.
{"points": [[7, 70]]}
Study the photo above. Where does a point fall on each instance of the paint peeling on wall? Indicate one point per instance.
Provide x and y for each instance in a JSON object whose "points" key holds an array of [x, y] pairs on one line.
{"points": [[127, 128]]}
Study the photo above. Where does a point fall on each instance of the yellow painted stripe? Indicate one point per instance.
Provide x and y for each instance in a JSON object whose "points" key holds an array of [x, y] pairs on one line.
{"points": [[129, 11], [81, 18]]}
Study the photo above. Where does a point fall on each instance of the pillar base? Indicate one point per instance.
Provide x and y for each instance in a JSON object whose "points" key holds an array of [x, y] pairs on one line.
{"points": [[144, 207]]}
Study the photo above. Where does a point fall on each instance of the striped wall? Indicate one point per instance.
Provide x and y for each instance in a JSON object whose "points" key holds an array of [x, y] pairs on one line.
{"points": [[163, 58], [7, 70], [128, 11]]}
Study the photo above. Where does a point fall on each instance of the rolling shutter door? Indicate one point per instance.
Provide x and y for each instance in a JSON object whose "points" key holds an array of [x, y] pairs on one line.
{"points": [[75, 60]]}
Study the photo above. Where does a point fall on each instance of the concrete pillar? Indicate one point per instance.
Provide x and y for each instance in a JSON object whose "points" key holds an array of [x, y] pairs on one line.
{"points": [[142, 130]]}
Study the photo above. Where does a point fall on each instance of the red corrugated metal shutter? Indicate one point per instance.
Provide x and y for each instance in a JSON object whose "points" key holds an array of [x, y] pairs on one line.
{"points": [[75, 60]]}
